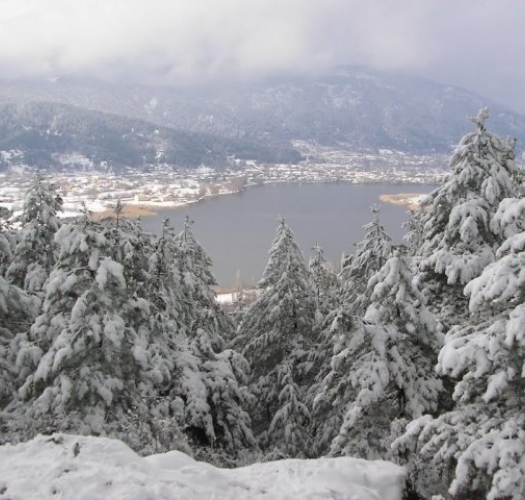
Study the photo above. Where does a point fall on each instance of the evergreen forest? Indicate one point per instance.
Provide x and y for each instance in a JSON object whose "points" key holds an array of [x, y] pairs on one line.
{"points": [[412, 353]]}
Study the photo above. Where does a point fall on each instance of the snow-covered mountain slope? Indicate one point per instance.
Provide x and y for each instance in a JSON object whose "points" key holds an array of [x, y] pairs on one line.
{"points": [[354, 107], [51, 134], [89, 468]]}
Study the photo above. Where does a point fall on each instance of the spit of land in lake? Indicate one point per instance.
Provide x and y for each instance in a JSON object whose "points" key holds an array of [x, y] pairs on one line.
{"points": [[410, 200]]}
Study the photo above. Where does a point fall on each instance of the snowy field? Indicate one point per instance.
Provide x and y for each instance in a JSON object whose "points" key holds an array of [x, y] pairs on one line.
{"points": [[86, 468]]}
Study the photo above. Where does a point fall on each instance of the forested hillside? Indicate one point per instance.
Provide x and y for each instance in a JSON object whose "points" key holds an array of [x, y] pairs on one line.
{"points": [[54, 136], [350, 107], [413, 353]]}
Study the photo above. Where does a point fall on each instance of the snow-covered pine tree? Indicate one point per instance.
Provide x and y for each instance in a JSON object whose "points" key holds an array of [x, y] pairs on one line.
{"points": [[332, 319], [483, 437], [184, 380], [289, 430], [332, 388], [35, 252], [211, 379], [370, 255], [395, 300], [324, 282], [197, 280], [17, 311], [7, 240], [277, 329], [457, 241], [213, 389], [392, 370], [284, 250], [164, 287], [239, 299], [413, 237], [152, 311], [82, 359], [130, 246]]}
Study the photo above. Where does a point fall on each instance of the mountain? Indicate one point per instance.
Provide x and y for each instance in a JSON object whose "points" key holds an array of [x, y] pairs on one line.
{"points": [[51, 134], [350, 108]]}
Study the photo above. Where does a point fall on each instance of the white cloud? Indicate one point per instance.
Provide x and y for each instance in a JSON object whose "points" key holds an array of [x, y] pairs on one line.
{"points": [[476, 44]]}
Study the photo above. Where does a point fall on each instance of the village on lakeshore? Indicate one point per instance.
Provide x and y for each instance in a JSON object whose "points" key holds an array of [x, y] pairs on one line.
{"points": [[164, 186]]}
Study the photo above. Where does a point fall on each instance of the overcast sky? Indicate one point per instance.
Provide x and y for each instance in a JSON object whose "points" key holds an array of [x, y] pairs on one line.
{"points": [[476, 44]]}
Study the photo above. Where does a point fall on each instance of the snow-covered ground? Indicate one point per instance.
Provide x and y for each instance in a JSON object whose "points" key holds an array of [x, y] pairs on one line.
{"points": [[87, 468]]}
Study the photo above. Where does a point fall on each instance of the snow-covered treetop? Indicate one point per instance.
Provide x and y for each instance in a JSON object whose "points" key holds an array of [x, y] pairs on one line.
{"points": [[278, 325], [376, 246], [41, 204], [194, 259], [283, 251], [480, 118], [395, 299], [317, 258], [458, 239], [370, 256], [324, 280], [35, 252], [482, 165], [164, 253]]}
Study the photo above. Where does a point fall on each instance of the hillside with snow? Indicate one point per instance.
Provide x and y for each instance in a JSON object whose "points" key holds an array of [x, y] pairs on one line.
{"points": [[349, 108]]}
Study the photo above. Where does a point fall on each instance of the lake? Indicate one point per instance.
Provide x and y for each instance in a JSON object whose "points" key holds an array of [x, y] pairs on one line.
{"points": [[237, 230]]}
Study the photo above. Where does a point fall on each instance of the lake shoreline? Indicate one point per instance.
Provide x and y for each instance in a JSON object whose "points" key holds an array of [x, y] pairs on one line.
{"points": [[132, 208]]}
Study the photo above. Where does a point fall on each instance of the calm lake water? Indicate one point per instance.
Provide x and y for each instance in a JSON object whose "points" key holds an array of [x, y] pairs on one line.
{"points": [[237, 230]]}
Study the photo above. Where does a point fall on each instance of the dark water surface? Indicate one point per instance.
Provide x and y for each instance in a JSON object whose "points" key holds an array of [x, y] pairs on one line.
{"points": [[237, 230]]}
